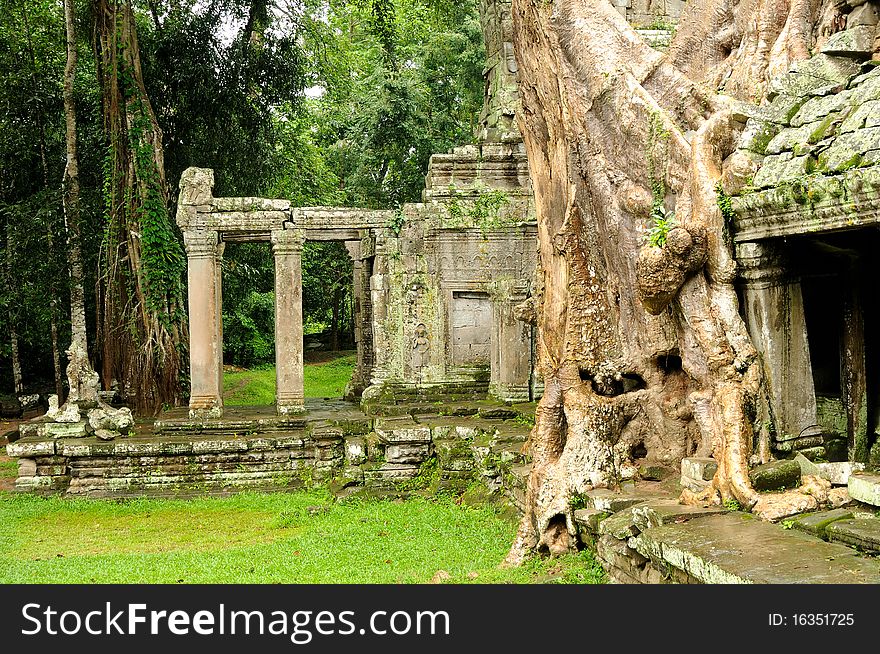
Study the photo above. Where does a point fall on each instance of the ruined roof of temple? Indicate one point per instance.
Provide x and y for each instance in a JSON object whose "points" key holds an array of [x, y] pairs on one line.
{"points": [[816, 145]]}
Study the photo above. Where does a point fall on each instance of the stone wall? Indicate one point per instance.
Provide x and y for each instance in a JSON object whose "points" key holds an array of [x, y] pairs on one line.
{"points": [[335, 445]]}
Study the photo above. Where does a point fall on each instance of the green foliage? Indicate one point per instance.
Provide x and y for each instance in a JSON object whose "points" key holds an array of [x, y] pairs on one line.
{"points": [[396, 222], [485, 212], [265, 538], [724, 204], [662, 221], [579, 501], [525, 421], [732, 505], [429, 474], [249, 330]]}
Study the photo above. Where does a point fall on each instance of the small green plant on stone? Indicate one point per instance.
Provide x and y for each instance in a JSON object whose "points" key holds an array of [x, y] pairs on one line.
{"points": [[579, 501], [525, 421], [732, 505], [396, 222], [429, 472], [787, 524], [724, 204]]}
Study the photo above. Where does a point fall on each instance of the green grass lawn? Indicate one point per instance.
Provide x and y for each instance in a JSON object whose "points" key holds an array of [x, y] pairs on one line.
{"points": [[256, 387], [264, 538]]}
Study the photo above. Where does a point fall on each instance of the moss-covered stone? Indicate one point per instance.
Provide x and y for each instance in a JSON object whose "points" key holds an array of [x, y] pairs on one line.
{"points": [[776, 475]]}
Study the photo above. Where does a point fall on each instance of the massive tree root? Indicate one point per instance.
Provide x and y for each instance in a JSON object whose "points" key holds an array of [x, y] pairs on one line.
{"points": [[642, 347]]}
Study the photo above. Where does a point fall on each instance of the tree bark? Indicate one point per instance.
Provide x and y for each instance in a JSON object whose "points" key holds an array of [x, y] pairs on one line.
{"points": [[82, 378], [142, 263], [642, 348]]}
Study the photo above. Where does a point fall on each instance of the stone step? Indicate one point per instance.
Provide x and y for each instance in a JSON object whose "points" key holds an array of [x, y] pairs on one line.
{"points": [[817, 523], [865, 487], [863, 533], [737, 548]]}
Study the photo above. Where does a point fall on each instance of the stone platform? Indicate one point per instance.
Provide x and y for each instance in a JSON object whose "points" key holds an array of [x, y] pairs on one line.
{"points": [[252, 448], [644, 536]]}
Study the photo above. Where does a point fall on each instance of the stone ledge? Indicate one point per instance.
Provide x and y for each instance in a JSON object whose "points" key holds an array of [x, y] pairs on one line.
{"points": [[739, 549]]}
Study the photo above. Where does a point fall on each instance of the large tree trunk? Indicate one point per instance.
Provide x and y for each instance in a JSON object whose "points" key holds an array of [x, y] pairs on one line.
{"points": [[81, 377], [642, 347], [140, 281]]}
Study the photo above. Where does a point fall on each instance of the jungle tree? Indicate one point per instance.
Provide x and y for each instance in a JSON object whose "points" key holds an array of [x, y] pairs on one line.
{"points": [[140, 279], [641, 344]]}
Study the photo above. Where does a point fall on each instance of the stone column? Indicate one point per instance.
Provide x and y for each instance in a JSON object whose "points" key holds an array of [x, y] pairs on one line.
{"points": [[853, 371], [510, 347], [205, 344], [356, 385], [773, 308], [287, 248]]}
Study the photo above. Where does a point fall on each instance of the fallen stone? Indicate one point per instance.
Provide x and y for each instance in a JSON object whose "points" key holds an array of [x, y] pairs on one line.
{"points": [[865, 487], [816, 523], [857, 41], [695, 485], [660, 512], [105, 434], [838, 473], [862, 533], [29, 401], [699, 468], [807, 466], [106, 417], [776, 475]]}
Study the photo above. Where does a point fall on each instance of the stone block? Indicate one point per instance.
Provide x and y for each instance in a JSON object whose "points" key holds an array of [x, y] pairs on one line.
{"points": [[27, 467], [355, 451], [857, 41], [861, 533], [406, 453], [589, 519], [776, 475], [620, 526], [389, 433], [30, 447], [807, 466], [604, 499], [817, 523], [865, 487], [838, 473], [867, 15], [701, 468]]}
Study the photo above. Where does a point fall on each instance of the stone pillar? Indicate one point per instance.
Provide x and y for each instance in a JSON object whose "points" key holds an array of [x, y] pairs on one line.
{"points": [[773, 308], [510, 348], [205, 344], [356, 384], [853, 371], [287, 248]]}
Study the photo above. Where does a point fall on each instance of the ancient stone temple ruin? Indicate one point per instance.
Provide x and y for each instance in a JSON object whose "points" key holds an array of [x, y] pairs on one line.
{"points": [[805, 228], [436, 283], [439, 287]]}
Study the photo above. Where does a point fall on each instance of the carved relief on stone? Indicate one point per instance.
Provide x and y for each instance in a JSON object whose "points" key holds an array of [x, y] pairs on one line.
{"points": [[421, 346], [196, 186]]}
